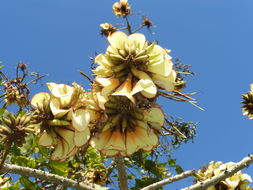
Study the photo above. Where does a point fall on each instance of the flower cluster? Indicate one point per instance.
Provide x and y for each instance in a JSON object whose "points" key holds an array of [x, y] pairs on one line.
{"points": [[238, 181], [64, 119], [121, 8], [247, 107]]}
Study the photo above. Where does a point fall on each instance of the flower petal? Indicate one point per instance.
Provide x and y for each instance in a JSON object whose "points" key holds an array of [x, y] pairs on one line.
{"points": [[109, 85], [138, 39], [167, 83], [155, 117], [40, 99], [118, 39], [55, 108], [101, 140], [162, 67], [80, 119], [46, 140], [82, 137]]}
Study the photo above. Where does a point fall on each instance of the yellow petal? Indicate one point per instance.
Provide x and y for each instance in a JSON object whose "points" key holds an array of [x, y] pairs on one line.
{"points": [[101, 59], [58, 153], [155, 117], [46, 140], [80, 119], [55, 108], [101, 71], [82, 137], [63, 92], [118, 39], [146, 87], [162, 67], [67, 138], [109, 85], [40, 99], [101, 100], [116, 142], [138, 39], [167, 83], [125, 89], [101, 140]]}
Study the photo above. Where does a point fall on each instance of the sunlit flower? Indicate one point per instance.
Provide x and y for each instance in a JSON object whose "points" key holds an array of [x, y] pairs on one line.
{"points": [[247, 107], [146, 66], [128, 127], [237, 181], [5, 182], [121, 8], [64, 119], [107, 29]]}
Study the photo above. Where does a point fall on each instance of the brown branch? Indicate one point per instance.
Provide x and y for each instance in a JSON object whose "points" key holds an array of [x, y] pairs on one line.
{"points": [[169, 180], [121, 172], [245, 162], [46, 176], [86, 76]]}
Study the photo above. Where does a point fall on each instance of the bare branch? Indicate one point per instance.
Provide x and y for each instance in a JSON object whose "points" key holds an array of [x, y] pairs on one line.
{"points": [[245, 162], [52, 178], [169, 180], [121, 172]]}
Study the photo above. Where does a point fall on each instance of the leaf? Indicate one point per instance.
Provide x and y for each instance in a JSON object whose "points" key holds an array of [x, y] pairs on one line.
{"points": [[16, 186], [172, 162], [60, 168], [28, 184], [23, 161], [179, 169]]}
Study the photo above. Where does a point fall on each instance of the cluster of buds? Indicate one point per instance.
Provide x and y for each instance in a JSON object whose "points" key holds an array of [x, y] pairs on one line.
{"points": [[238, 181], [121, 8], [96, 176], [107, 29], [16, 92], [15, 129], [64, 119], [247, 107]]}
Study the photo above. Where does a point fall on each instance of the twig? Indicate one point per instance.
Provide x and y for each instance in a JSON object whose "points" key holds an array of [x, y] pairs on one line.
{"points": [[169, 180], [129, 28], [121, 172], [86, 76], [36, 79], [245, 162], [52, 178]]}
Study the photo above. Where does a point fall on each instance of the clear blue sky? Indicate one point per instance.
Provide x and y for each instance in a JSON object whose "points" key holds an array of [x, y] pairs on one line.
{"points": [[213, 36]]}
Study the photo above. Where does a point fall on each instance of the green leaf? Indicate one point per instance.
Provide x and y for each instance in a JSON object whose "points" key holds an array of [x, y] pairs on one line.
{"points": [[172, 162], [60, 168], [28, 184], [23, 161], [179, 169], [16, 186]]}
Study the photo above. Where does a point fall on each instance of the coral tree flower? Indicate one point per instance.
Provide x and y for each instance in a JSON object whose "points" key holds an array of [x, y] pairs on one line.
{"points": [[147, 66], [128, 127], [247, 107], [237, 181], [64, 119]]}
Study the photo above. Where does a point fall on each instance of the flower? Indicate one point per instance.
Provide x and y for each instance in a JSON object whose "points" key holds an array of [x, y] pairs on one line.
{"points": [[247, 107], [121, 8], [130, 58], [64, 118], [128, 127], [107, 29], [237, 181]]}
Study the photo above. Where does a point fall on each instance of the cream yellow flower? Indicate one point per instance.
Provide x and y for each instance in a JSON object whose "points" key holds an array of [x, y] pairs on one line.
{"points": [[147, 66], [128, 127], [107, 29], [64, 118], [237, 181], [121, 8]]}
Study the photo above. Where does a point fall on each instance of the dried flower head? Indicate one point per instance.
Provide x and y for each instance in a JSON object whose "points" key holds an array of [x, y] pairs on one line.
{"points": [[237, 181], [107, 29], [247, 107], [64, 119], [96, 176], [146, 22], [121, 8]]}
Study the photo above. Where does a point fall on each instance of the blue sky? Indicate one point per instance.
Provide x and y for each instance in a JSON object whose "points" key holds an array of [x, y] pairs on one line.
{"points": [[213, 36]]}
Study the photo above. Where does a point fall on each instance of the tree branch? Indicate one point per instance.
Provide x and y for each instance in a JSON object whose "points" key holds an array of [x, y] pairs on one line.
{"points": [[245, 162], [169, 180], [122, 172], [52, 178]]}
